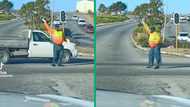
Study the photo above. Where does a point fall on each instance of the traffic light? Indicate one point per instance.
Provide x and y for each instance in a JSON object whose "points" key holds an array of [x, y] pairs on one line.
{"points": [[62, 15], [176, 18]]}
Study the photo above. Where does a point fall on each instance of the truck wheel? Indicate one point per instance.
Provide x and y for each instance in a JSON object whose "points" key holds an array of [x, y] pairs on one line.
{"points": [[4, 57], [66, 56]]}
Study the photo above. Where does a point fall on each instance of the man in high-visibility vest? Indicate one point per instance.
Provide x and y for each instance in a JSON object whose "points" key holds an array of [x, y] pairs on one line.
{"points": [[154, 44], [57, 35]]}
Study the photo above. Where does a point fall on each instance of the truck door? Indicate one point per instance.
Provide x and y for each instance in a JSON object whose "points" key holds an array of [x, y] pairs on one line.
{"points": [[40, 45]]}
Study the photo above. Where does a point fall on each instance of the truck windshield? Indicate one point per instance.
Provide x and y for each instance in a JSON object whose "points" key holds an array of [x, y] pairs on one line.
{"points": [[184, 34]]}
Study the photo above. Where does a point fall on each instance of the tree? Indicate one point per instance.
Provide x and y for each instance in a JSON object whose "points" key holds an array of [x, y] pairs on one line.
{"points": [[141, 10], [113, 8], [102, 8], [152, 12], [121, 6], [34, 10], [118, 7], [27, 8], [6, 5]]}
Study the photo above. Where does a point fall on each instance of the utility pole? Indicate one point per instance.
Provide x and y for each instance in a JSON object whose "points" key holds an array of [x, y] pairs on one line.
{"points": [[177, 32], [52, 14], [165, 17]]}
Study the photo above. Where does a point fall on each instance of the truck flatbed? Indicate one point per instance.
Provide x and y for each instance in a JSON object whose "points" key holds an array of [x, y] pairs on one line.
{"points": [[15, 42]]}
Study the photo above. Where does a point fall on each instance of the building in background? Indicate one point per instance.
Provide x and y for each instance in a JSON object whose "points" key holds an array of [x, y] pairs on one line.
{"points": [[85, 6]]}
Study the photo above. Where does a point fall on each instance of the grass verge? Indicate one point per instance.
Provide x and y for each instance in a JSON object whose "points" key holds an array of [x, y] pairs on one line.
{"points": [[110, 19], [6, 17]]}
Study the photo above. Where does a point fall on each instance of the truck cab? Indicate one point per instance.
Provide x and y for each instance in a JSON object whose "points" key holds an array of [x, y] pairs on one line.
{"points": [[40, 45]]}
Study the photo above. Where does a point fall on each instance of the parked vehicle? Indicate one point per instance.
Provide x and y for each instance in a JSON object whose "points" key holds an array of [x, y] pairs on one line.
{"points": [[89, 28], [81, 22], [183, 36], [37, 44], [75, 18], [57, 22]]}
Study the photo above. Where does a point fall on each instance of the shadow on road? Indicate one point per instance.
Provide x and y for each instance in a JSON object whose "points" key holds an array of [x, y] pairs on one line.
{"points": [[77, 34], [76, 61], [166, 65]]}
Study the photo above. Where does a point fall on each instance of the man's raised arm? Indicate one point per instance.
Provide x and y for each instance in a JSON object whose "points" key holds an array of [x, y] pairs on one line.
{"points": [[147, 29], [47, 27]]}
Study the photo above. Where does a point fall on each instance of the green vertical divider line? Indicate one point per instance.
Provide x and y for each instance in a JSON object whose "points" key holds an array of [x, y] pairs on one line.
{"points": [[94, 53]]}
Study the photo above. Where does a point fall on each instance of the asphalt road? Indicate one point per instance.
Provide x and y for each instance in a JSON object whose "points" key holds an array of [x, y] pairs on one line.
{"points": [[37, 76], [78, 33], [121, 66]]}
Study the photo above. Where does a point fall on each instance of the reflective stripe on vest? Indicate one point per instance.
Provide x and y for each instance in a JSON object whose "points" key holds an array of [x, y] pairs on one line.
{"points": [[58, 37], [154, 38], [58, 33]]}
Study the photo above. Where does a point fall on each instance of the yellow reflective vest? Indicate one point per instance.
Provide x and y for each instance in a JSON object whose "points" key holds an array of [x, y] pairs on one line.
{"points": [[154, 37], [57, 36]]}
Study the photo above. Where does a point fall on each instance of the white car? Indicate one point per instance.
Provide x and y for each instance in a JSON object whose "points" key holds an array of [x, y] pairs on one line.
{"points": [[57, 22], [81, 22], [75, 18], [183, 36]]}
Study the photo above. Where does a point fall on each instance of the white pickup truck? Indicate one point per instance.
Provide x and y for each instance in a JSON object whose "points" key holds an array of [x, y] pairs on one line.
{"points": [[37, 44]]}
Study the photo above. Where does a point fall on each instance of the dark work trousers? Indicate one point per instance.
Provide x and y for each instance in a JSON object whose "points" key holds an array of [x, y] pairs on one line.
{"points": [[58, 51], [154, 53]]}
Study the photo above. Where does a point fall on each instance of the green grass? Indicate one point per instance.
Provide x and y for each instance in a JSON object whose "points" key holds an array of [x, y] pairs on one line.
{"points": [[6, 16], [110, 19]]}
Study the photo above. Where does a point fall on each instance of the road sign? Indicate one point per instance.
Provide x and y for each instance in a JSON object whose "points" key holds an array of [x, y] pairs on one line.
{"points": [[62, 16], [176, 18]]}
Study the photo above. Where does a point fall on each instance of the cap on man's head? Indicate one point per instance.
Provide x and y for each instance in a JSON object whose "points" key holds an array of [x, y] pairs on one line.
{"points": [[56, 26], [152, 29]]}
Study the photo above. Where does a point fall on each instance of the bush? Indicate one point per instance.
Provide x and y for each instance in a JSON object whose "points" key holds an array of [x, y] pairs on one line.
{"points": [[139, 29], [141, 39], [183, 44], [6, 16]]}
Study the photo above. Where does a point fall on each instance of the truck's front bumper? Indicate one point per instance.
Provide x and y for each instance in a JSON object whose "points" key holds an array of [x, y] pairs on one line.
{"points": [[74, 53]]}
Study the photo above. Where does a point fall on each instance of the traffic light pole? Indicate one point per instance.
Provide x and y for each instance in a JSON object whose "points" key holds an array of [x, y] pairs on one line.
{"points": [[177, 32], [52, 14], [176, 21]]}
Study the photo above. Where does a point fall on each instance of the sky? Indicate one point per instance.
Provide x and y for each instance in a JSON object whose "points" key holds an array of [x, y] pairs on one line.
{"points": [[180, 6], [67, 5]]}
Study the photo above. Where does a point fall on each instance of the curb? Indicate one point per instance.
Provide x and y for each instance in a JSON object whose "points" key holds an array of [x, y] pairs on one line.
{"points": [[163, 52]]}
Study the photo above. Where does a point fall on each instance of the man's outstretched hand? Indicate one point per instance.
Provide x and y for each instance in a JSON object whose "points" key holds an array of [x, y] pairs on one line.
{"points": [[43, 19], [143, 20]]}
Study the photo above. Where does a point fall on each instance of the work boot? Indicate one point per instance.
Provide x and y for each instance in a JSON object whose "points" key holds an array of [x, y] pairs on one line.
{"points": [[149, 66], [53, 65], [60, 65], [156, 67]]}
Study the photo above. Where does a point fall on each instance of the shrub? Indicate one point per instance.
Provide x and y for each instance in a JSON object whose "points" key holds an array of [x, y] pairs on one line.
{"points": [[141, 39]]}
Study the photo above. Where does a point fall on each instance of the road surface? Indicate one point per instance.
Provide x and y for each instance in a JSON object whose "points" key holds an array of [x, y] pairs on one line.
{"points": [[78, 33], [121, 66], [37, 76]]}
